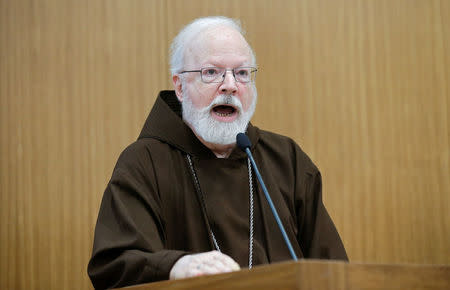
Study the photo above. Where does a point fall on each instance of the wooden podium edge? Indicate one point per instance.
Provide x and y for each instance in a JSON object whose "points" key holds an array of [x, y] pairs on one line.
{"points": [[318, 274]]}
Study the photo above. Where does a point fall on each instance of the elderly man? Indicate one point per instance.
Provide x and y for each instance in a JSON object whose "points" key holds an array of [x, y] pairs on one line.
{"points": [[183, 199]]}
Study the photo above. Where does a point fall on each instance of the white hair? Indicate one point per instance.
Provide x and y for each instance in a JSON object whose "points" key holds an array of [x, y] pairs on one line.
{"points": [[190, 31]]}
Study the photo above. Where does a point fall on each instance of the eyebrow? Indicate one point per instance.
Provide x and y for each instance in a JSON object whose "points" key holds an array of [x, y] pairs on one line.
{"points": [[245, 64]]}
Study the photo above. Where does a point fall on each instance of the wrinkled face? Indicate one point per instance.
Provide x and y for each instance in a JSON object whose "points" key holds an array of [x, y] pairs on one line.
{"points": [[221, 108]]}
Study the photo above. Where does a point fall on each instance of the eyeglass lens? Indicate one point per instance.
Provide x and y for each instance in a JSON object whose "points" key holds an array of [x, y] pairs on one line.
{"points": [[215, 74]]}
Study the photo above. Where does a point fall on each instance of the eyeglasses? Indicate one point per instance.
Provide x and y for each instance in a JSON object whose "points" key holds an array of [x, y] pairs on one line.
{"points": [[217, 74]]}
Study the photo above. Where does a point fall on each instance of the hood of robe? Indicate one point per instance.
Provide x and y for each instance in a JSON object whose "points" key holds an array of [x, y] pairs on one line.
{"points": [[166, 124]]}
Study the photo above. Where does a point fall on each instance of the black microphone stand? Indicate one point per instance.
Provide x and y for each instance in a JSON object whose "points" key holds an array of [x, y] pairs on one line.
{"points": [[244, 143]]}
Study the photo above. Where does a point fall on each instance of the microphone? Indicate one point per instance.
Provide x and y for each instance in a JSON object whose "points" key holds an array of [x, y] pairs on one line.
{"points": [[243, 142]]}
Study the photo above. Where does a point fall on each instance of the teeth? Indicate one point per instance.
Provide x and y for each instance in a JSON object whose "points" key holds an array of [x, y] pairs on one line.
{"points": [[223, 115]]}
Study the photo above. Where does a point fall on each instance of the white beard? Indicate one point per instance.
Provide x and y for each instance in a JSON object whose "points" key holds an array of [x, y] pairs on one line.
{"points": [[212, 130]]}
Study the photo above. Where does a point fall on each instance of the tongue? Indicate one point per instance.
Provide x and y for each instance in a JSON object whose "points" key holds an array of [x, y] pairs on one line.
{"points": [[224, 109]]}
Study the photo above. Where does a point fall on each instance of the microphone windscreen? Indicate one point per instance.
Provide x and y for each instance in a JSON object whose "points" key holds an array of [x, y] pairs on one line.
{"points": [[242, 141]]}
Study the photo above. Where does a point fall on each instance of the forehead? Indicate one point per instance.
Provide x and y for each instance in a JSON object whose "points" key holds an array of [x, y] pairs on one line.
{"points": [[219, 46]]}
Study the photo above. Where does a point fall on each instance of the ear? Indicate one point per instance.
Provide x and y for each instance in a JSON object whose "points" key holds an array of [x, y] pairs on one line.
{"points": [[178, 86]]}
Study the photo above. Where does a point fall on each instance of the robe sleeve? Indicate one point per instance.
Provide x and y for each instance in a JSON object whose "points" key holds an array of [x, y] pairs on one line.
{"points": [[129, 235], [318, 236]]}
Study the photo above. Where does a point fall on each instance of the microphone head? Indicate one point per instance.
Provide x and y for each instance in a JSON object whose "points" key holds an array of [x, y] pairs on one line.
{"points": [[242, 141]]}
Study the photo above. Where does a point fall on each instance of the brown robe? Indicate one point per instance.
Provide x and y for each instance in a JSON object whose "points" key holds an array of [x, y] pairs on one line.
{"points": [[150, 214]]}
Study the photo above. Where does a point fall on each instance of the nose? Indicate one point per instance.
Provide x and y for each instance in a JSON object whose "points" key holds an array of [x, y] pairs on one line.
{"points": [[228, 85]]}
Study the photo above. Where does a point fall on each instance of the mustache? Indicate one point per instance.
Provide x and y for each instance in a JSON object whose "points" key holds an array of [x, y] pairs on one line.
{"points": [[229, 100]]}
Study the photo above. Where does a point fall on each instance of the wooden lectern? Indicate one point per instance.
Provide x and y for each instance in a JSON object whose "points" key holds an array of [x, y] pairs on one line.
{"points": [[318, 275]]}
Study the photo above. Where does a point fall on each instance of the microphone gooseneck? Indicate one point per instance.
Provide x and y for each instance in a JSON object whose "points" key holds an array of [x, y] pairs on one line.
{"points": [[243, 142]]}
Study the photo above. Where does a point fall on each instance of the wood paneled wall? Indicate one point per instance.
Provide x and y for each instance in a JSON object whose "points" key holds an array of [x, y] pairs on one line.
{"points": [[362, 86]]}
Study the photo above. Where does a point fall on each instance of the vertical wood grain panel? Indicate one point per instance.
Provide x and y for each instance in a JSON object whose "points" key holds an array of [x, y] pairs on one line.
{"points": [[69, 69], [362, 86]]}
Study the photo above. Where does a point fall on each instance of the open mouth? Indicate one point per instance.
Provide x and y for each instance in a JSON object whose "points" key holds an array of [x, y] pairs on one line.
{"points": [[224, 110]]}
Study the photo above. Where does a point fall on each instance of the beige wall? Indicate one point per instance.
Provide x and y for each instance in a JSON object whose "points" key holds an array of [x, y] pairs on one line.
{"points": [[361, 85]]}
